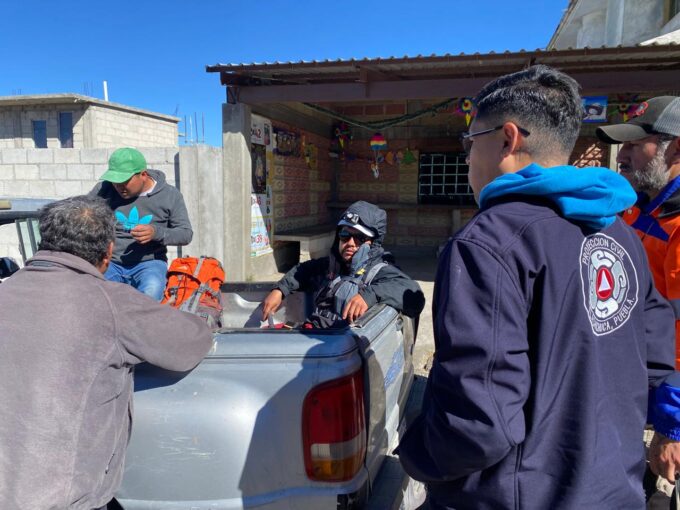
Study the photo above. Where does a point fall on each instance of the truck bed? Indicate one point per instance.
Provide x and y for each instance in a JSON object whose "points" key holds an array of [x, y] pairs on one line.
{"points": [[228, 434]]}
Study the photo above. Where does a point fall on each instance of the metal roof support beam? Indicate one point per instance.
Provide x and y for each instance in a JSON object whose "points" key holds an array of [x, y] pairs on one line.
{"points": [[624, 81]]}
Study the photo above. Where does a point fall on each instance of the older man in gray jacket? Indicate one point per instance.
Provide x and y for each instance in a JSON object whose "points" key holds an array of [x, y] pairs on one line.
{"points": [[68, 347]]}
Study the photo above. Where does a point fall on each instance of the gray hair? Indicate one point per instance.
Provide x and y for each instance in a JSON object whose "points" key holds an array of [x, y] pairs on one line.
{"points": [[540, 99], [81, 226]]}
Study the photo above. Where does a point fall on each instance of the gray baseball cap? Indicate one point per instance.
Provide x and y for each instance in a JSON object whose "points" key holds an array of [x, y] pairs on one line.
{"points": [[658, 115]]}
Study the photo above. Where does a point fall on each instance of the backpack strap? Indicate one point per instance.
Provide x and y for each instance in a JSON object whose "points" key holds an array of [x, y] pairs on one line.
{"points": [[197, 271], [368, 277], [173, 290]]}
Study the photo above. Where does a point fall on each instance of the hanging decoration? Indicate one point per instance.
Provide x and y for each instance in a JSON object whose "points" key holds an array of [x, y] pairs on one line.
{"points": [[342, 136], [310, 152], [466, 107], [408, 157], [627, 108], [377, 143]]}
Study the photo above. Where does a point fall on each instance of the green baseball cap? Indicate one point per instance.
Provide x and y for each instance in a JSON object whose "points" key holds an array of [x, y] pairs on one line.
{"points": [[123, 164]]}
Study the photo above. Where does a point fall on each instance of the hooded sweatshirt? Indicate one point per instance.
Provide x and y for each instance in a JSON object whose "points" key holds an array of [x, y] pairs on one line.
{"points": [[163, 208], [548, 333]]}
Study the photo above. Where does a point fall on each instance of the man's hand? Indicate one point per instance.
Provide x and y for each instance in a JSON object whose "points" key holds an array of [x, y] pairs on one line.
{"points": [[271, 303], [664, 457], [143, 233], [354, 308]]}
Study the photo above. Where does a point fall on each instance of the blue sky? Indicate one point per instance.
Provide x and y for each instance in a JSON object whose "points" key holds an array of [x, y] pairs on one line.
{"points": [[153, 53]]}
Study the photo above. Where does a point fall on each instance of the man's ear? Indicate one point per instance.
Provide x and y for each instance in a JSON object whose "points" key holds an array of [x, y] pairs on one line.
{"points": [[104, 264], [513, 139], [673, 152]]}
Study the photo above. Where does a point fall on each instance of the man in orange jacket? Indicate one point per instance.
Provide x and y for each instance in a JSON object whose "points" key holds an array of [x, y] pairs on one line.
{"points": [[650, 159]]}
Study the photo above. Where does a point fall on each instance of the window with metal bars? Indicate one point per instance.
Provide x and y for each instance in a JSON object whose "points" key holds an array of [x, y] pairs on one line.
{"points": [[443, 179]]}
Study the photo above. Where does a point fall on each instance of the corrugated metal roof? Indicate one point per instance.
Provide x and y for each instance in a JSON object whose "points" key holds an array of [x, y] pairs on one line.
{"points": [[463, 64], [598, 70]]}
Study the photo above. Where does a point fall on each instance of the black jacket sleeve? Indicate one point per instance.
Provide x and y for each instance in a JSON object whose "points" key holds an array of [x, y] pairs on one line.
{"points": [[306, 276], [480, 379], [392, 287]]}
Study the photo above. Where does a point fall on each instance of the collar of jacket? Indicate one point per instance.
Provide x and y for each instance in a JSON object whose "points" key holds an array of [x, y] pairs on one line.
{"points": [[338, 267], [670, 206], [66, 260]]}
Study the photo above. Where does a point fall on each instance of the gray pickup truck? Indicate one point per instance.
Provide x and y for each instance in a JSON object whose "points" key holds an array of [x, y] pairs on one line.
{"points": [[272, 418]]}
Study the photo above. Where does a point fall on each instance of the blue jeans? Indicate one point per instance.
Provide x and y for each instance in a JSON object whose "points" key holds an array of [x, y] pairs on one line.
{"points": [[148, 276]]}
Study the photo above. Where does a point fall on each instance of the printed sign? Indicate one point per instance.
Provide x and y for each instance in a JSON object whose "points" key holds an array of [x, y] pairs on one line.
{"points": [[594, 109], [260, 216]]}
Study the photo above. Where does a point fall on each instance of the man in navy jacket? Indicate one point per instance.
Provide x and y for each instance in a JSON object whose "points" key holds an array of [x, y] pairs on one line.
{"points": [[549, 333]]}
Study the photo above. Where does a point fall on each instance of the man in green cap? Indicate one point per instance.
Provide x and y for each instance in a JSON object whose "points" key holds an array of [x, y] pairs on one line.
{"points": [[150, 215]]}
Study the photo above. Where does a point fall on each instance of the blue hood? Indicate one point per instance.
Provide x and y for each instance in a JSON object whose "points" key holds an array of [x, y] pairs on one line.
{"points": [[592, 195]]}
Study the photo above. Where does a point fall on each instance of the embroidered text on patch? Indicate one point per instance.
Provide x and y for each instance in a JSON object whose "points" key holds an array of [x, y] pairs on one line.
{"points": [[609, 282]]}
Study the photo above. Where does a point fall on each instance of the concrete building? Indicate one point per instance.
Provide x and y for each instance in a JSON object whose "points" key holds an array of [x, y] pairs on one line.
{"points": [[418, 104], [53, 121], [597, 23]]}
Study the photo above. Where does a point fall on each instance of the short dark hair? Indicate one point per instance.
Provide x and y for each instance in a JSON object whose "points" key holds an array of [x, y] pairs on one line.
{"points": [[540, 99], [81, 226]]}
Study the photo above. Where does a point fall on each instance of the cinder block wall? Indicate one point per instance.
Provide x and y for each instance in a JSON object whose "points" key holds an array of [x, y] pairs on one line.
{"points": [[93, 126], [115, 128], [16, 127], [60, 173]]}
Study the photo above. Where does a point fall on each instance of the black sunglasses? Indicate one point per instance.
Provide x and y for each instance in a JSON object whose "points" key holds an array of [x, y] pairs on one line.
{"points": [[466, 137], [344, 235]]}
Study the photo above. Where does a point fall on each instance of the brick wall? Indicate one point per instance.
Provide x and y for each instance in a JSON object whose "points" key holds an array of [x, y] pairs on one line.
{"points": [[589, 151], [409, 225], [396, 189], [300, 193], [113, 128], [60, 173]]}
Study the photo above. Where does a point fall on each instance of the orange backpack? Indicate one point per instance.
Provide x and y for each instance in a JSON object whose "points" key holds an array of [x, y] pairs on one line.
{"points": [[194, 287]]}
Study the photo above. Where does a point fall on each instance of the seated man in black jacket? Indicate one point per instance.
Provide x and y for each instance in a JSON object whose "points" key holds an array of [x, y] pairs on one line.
{"points": [[358, 274]]}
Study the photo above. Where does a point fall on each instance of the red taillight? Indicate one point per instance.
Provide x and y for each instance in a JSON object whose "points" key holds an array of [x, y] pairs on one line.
{"points": [[333, 429]]}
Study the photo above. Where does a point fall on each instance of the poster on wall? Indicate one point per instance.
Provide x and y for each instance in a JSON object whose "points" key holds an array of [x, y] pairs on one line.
{"points": [[595, 109], [260, 145], [261, 229], [259, 161], [260, 130], [260, 216]]}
